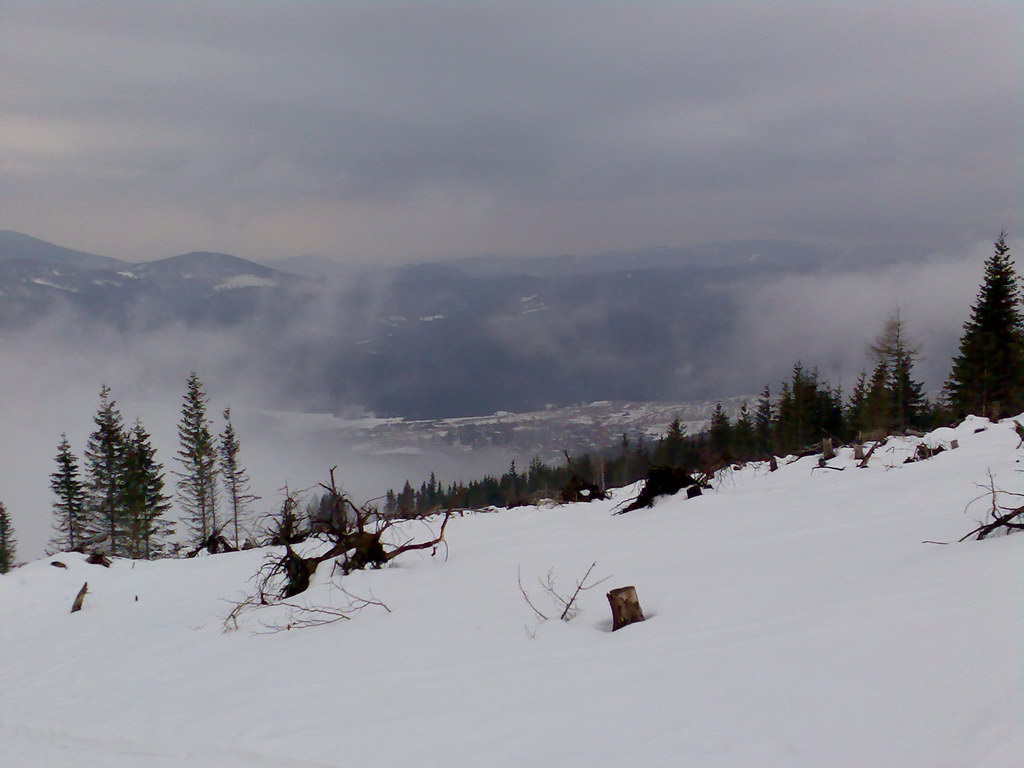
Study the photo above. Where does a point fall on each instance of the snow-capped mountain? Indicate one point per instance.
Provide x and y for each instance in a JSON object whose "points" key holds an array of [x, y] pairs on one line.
{"points": [[461, 338]]}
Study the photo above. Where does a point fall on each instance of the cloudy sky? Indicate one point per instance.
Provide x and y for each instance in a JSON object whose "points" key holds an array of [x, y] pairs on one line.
{"points": [[394, 131]]}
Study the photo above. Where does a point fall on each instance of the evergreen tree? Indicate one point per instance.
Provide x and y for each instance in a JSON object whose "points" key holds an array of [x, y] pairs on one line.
{"points": [[8, 543], [909, 403], [892, 349], [390, 504], [833, 420], [764, 417], [720, 433], [807, 411], [406, 501], [235, 479], [876, 413], [987, 378], [641, 459], [197, 481], [623, 473], [743, 440], [798, 405], [143, 497], [670, 452], [855, 408], [104, 466], [70, 518]]}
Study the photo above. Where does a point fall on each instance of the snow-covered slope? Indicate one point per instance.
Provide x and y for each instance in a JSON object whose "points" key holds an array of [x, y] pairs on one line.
{"points": [[795, 619]]}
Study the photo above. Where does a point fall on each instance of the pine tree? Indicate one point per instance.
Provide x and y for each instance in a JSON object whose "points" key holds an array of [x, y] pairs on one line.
{"points": [[406, 501], [720, 433], [390, 504], [764, 417], [8, 543], [987, 378], [142, 491], [235, 479], [197, 482], [743, 440], [892, 349], [70, 518], [876, 413], [670, 452], [855, 407], [797, 411], [104, 465]]}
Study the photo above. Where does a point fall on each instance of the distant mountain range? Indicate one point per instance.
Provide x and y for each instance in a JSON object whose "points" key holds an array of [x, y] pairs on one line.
{"points": [[459, 338]]}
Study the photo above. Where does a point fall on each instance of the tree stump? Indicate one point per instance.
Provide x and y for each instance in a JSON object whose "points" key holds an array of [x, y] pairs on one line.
{"points": [[80, 598], [773, 463], [827, 450], [625, 607], [858, 451]]}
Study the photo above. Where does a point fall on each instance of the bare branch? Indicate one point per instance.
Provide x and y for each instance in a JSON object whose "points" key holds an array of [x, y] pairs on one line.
{"points": [[526, 597]]}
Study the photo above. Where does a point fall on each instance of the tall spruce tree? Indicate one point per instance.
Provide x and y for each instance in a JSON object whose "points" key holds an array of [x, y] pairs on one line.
{"points": [[143, 497], [987, 378], [197, 453], [235, 479], [104, 465], [71, 529], [8, 543]]}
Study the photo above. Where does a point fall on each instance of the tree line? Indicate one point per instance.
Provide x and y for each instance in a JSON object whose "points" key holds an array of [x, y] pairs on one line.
{"points": [[986, 378]]}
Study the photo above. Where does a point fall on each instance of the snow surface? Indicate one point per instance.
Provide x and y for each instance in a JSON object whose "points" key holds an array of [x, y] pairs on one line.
{"points": [[245, 281], [795, 618]]}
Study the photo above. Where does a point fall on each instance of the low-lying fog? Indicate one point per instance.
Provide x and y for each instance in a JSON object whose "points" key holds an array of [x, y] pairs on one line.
{"points": [[51, 376]]}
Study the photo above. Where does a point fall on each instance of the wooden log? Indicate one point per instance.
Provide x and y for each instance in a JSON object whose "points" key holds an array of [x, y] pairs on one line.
{"points": [[80, 598], [625, 607]]}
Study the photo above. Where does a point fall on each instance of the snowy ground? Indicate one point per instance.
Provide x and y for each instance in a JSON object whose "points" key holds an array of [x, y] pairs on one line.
{"points": [[795, 619]]}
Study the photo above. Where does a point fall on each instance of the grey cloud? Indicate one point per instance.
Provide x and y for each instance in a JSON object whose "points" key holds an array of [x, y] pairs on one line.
{"points": [[522, 124]]}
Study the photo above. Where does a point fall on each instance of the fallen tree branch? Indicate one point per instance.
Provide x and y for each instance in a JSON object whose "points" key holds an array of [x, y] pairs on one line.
{"points": [[80, 598]]}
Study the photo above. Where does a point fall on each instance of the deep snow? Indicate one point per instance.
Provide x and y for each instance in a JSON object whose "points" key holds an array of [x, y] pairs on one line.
{"points": [[795, 619]]}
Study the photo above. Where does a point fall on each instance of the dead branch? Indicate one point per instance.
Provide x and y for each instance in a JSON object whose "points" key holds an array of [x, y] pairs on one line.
{"points": [[1000, 517], [526, 596], [581, 585], [230, 623], [80, 598], [867, 456], [305, 616], [567, 605], [1006, 521]]}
